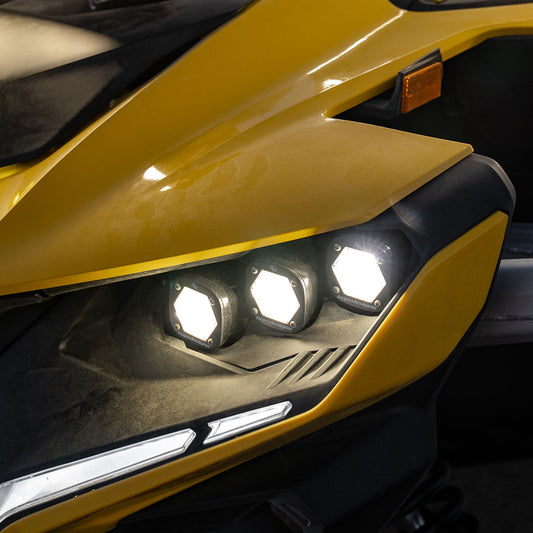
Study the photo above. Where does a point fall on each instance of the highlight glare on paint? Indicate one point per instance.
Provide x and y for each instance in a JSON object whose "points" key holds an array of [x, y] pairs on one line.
{"points": [[153, 174]]}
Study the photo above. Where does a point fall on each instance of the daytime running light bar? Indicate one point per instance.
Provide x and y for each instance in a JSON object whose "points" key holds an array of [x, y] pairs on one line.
{"points": [[232, 426], [42, 487]]}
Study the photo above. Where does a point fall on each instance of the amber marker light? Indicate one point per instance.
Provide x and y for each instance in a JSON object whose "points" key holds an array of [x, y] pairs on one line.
{"points": [[421, 86]]}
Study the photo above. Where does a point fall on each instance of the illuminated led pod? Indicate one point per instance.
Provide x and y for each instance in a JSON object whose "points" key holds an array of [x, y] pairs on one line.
{"points": [[364, 270], [203, 311], [282, 293]]}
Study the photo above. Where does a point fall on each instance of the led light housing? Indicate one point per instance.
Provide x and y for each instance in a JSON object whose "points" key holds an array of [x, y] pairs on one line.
{"points": [[282, 293], [203, 311], [364, 270]]}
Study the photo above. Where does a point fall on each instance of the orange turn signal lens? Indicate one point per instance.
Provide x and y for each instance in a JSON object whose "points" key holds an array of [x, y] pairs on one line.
{"points": [[421, 87]]}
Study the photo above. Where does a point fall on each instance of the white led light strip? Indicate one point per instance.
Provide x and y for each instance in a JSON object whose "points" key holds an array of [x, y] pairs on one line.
{"points": [[42, 487], [237, 424]]}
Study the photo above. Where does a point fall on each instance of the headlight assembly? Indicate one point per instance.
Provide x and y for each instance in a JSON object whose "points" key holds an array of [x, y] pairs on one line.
{"points": [[211, 352], [283, 288]]}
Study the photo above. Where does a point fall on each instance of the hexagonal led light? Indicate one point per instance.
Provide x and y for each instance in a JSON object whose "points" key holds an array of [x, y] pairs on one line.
{"points": [[358, 274], [195, 314], [204, 309], [275, 296]]}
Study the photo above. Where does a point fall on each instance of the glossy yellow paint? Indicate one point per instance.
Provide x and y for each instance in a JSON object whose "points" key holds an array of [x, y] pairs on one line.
{"points": [[11, 170], [420, 332], [239, 131], [240, 197]]}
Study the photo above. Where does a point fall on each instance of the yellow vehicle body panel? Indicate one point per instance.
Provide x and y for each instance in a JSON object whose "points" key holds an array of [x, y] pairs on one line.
{"points": [[234, 147], [442, 302], [225, 150], [232, 200]]}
